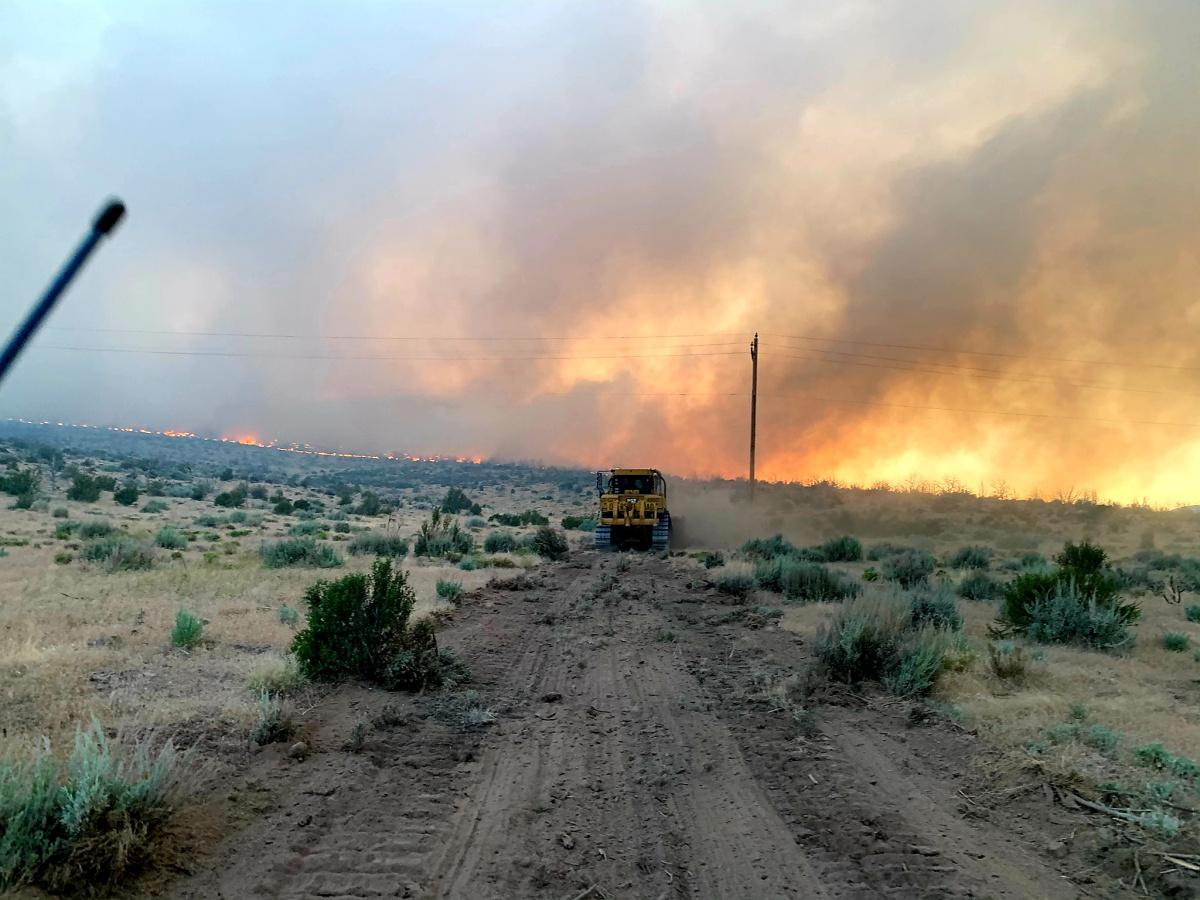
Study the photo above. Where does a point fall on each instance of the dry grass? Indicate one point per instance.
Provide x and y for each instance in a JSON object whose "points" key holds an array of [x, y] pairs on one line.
{"points": [[77, 642]]}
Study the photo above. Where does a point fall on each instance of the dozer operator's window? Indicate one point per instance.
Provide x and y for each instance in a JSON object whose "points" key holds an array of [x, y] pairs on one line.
{"points": [[642, 484]]}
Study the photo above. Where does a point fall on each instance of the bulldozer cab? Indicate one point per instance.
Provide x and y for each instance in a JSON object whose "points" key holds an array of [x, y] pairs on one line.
{"points": [[620, 481]]}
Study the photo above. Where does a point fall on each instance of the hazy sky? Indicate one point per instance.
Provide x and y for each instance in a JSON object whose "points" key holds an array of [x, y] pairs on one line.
{"points": [[593, 184]]}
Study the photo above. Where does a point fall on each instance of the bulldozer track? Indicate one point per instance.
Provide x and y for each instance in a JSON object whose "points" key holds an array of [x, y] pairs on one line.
{"points": [[632, 752]]}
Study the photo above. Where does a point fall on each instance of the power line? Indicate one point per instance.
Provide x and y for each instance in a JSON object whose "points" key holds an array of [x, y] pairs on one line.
{"points": [[336, 357], [962, 352], [970, 374], [363, 337]]}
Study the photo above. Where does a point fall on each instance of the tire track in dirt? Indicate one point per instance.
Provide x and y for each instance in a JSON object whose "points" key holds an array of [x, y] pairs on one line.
{"points": [[618, 783], [652, 768]]}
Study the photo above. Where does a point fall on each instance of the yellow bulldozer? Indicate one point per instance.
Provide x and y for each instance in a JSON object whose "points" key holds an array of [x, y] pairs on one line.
{"points": [[633, 510]]}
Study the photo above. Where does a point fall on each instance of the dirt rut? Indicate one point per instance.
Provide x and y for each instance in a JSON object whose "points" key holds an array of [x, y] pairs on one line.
{"points": [[633, 750]]}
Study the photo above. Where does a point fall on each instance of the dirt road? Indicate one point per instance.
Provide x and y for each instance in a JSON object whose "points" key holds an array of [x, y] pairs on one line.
{"points": [[636, 748]]}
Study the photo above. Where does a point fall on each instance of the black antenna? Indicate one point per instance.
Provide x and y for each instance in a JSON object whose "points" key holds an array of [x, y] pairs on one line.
{"points": [[105, 221]]}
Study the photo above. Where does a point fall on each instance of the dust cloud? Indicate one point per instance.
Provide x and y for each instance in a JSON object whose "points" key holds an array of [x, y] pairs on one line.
{"points": [[966, 233]]}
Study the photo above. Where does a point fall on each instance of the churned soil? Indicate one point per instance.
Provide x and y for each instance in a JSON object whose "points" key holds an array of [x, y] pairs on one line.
{"points": [[646, 743]]}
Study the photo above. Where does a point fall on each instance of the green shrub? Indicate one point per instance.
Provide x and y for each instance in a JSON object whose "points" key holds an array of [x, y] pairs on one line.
{"points": [[369, 504], [21, 482], [980, 587], [287, 615], [302, 529], [500, 542], [155, 506], [736, 584], [550, 543], [666, 636], [170, 538], [802, 581], [211, 521], [63, 558], [372, 542], [61, 512], [1033, 561], [344, 528], [880, 552], [303, 551], [971, 558], [469, 564], [127, 495], [713, 559], [1067, 616], [1192, 613], [440, 536], [84, 488], [283, 507], [96, 528], [577, 523], [769, 548], [907, 568], [274, 723], [842, 549], [119, 553], [85, 824], [358, 627], [935, 606], [456, 501], [1175, 641], [188, 630], [873, 638], [516, 520], [450, 590], [870, 574], [916, 666], [1008, 660], [230, 499], [1153, 755]]}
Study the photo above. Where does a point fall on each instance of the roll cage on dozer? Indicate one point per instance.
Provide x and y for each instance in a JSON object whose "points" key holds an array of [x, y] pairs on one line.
{"points": [[633, 510]]}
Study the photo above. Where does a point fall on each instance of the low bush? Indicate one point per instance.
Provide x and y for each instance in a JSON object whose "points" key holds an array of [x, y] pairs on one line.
{"points": [[1175, 641], [96, 528], [274, 722], [500, 542], [127, 495], [769, 548], [713, 559], [440, 536], [283, 507], [60, 512], [1009, 661], [802, 581], [450, 590], [211, 521], [882, 551], [456, 501], [516, 520], [873, 638], [1192, 613], [935, 606], [83, 825], [119, 553], [377, 544], [358, 627], [980, 587], [188, 630], [842, 549], [1100, 738], [84, 488], [170, 538], [907, 568], [1033, 561], [550, 543], [155, 506], [309, 529], [576, 523], [230, 499], [287, 615], [665, 635], [971, 558], [1067, 616], [276, 676], [300, 552], [63, 558], [736, 584]]}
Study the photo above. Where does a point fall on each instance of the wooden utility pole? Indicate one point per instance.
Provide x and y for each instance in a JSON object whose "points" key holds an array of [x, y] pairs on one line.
{"points": [[753, 406]]}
